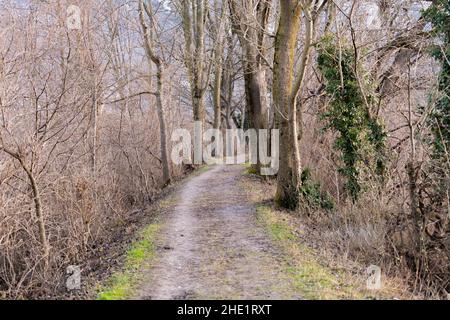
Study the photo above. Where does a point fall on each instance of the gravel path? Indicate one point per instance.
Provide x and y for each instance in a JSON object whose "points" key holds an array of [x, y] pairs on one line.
{"points": [[211, 246]]}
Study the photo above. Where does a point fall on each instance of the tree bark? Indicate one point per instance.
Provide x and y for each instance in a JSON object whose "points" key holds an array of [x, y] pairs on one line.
{"points": [[193, 19], [217, 96], [285, 102], [286, 87], [152, 57], [219, 31], [250, 28], [39, 212], [162, 126]]}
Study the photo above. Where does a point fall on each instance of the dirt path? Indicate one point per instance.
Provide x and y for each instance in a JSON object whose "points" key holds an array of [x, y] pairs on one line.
{"points": [[212, 247]]}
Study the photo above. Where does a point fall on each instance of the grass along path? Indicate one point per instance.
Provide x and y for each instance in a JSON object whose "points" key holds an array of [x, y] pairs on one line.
{"points": [[317, 275], [141, 255], [217, 237]]}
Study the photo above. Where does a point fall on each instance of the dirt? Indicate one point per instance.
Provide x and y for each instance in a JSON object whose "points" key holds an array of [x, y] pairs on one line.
{"points": [[211, 246]]}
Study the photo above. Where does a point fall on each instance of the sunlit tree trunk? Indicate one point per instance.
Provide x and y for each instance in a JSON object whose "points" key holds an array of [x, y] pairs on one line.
{"points": [[286, 87], [284, 100]]}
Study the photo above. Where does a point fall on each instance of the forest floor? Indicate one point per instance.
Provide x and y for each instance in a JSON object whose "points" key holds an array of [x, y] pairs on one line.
{"points": [[218, 236]]}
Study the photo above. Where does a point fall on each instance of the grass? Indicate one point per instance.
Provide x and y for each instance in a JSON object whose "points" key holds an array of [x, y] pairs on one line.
{"points": [[312, 280], [121, 284], [323, 274]]}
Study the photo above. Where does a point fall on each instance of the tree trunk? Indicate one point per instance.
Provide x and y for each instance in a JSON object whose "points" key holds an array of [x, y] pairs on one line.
{"points": [[39, 213], [219, 31], [285, 103], [152, 57], [162, 127], [193, 18], [227, 85], [217, 96], [412, 176], [250, 28]]}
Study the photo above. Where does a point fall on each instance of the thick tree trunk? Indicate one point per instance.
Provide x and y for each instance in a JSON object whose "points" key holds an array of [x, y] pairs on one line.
{"points": [[285, 97], [257, 102], [250, 31], [198, 100]]}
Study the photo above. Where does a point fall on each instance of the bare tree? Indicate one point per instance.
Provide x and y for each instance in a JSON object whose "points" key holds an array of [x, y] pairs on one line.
{"points": [[219, 26], [250, 21], [154, 58], [194, 13]]}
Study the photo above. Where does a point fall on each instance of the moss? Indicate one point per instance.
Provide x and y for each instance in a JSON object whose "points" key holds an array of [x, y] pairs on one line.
{"points": [[252, 170], [122, 283]]}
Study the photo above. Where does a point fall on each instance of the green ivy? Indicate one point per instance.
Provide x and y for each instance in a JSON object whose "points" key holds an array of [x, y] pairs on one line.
{"points": [[438, 15], [361, 138], [312, 192]]}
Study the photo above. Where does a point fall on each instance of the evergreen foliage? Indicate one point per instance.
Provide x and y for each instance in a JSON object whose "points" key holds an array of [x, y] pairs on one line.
{"points": [[362, 137]]}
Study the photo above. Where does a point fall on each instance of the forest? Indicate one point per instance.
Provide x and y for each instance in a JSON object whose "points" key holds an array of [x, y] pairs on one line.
{"points": [[92, 94]]}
